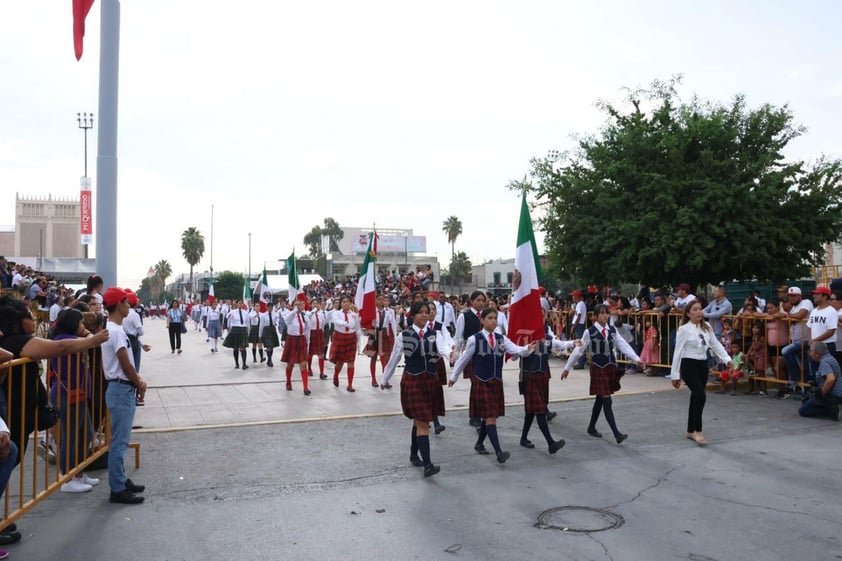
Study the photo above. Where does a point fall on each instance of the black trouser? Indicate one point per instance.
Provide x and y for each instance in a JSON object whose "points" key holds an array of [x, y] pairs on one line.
{"points": [[175, 335], [695, 375]]}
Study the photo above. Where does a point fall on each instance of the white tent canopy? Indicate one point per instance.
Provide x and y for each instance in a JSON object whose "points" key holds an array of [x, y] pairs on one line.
{"points": [[280, 283]]}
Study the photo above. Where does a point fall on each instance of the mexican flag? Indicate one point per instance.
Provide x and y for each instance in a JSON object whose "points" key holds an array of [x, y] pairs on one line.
{"points": [[292, 279], [364, 298], [246, 290], [211, 297], [262, 291], [526, 320]]}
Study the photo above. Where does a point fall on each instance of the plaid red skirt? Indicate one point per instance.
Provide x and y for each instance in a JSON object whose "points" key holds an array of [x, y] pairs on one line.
{"points": [[537, 392], [422, 398], [385, 342], [317, 342], [486, 399], [441, 371], [295, 349], [605, 381], [343, 348]]}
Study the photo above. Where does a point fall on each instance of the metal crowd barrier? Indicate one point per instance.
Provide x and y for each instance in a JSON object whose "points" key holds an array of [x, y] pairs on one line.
{"points": [[667, 325], [81, 433]]}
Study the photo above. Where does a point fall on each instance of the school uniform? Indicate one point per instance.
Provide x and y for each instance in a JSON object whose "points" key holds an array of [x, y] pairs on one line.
{"points": [[316, 323], [343, 343], [385, 330], [214, 323], [486, 352], [468, 325], [535, 373], [254, 326], [269, 331], [238, 335], [421, 396], [296, 347]]}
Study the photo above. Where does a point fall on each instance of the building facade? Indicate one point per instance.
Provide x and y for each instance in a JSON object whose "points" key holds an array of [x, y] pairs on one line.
{"points": [[47, 227]]}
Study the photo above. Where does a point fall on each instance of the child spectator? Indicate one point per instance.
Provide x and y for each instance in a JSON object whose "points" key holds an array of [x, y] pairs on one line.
{"points": [[756, 359], [651, 352], [733, 374]]}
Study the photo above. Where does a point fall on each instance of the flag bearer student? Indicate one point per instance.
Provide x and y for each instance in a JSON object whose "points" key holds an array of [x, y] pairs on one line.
{"points": [[238, 335], [445, 345], [421, 398], [255, 331], [269, 333], [296, 346], [535, 377], [467, 325], [385, 329], [602, 340], [343, 342], [485, 352], [316, 322], [214, 326]]}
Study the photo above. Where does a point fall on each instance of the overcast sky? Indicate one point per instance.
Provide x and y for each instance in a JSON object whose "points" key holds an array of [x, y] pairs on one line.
{"points": [[397, 113]]}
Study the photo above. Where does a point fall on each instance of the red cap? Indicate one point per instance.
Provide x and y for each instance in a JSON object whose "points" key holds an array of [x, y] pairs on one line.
{"points": [[683, 286], [576, 293], [133, 299], [823, 290], [542, 290], [303, 298], [113, 296]]}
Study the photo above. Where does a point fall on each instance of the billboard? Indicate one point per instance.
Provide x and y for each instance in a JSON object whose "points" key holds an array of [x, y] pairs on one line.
{"points": [[86, 226], [389, 243]]}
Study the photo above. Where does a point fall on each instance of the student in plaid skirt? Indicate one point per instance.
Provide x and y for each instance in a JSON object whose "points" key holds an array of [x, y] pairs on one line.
{"points": [[255, 328], [420, 396], [296, 347], [535, 381], [486, 351], [446, 349], [602, 341], [468, 324], [238, 335], [382, 337], [269, 333], [343, 342], [316, 322]]}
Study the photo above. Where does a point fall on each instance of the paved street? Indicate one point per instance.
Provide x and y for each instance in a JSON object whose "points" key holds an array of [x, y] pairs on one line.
{"points": [[766, 487]]}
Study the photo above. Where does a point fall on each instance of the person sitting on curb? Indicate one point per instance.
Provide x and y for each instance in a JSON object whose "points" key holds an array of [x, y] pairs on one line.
{"points": [[825, 401]]}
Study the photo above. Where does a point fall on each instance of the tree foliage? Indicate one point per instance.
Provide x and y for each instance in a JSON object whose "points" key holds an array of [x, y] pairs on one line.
{"points": [[329, 228], [192, 248], [694, 192], [228, 285]]}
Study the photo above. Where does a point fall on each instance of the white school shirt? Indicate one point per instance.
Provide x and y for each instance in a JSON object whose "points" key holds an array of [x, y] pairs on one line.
{"points": [[459, 338], [238, 318], [341, 325], [445, 314], [254, 317], [620, 343], [316, 320], [389, 321], [502, 324], [266, 321], [470, 348], [294, 326], [691, 341]]}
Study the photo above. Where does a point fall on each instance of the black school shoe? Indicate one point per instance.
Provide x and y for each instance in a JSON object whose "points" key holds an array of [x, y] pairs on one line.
{"points": [[125, 497], [8, 536]]}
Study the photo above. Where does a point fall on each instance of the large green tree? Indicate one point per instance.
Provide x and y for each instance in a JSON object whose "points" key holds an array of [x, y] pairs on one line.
{"points": [[452, 227], [228, 285], [192, 248], [163, 271], [329, 228], [459, 269], [686, 191]]}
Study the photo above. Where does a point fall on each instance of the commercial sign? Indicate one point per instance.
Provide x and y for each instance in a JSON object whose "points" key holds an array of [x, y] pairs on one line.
{"points": [[391, 244], [86, 225]]}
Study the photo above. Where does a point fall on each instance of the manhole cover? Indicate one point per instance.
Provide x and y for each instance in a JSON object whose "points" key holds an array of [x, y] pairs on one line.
{"points": [[578, 519]]}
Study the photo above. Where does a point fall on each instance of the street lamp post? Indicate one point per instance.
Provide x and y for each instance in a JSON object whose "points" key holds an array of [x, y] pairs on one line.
{"points": [[249, 257], [86, 123]]}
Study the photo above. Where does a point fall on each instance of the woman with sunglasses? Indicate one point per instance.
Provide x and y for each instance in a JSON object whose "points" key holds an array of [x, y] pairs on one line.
{"points": [[694, 338]]}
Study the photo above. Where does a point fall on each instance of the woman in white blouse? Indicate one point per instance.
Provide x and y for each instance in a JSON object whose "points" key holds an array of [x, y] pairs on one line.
{"points": [[689, 362]]}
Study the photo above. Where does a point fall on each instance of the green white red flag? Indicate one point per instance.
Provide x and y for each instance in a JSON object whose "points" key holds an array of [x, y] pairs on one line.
{"points": [[211, 297], [364, 299], [292, 279], [262, 292], [246, 290], [526, 319]]}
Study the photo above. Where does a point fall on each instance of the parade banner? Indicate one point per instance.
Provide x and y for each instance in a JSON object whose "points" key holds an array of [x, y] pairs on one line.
{"points": [[86, 224]]}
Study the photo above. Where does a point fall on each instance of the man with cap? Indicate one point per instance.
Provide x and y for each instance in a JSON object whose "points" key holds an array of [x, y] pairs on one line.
{"points": [[825, 401], [580, 316], [124, 387], [796, 352], [133, 326], [822, 321], [683, 297]]}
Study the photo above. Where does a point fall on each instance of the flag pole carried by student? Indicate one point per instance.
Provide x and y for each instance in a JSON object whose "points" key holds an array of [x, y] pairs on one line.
{"points": [[246, 290], [261, 290], [292, 279], [211, 297], [365, 296]]}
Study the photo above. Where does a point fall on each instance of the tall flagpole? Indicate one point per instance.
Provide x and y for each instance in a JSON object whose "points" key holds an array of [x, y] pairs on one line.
{"points": [[106, 161], [211, 244]]}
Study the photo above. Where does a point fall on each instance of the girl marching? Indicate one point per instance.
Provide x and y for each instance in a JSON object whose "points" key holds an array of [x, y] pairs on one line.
{"points": [[444, 343], [343, 343], [238, 335], [316, 322], [385, 328], [296, 346], [421, 398], [255, 330], [602, 341], [269, 333], [485, 352]]}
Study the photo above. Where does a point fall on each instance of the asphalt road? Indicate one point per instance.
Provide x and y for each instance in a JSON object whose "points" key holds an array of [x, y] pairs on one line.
{"points": [[766, 487]]}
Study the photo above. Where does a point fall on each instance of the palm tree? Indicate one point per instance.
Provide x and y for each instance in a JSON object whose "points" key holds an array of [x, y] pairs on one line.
{"points": [[163, 270], [192, 247], [453, 228], [460, 268]]}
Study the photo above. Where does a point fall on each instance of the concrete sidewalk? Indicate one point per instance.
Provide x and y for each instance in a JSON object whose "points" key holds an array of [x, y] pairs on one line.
{"points": [[202, 389]]}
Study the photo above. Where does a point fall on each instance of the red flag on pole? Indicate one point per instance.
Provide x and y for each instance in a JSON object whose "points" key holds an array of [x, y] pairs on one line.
{"points": [[80, 12]]}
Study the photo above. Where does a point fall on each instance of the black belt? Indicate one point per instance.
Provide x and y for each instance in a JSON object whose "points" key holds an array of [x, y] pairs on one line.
{"points": [[121, 381]]}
